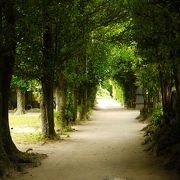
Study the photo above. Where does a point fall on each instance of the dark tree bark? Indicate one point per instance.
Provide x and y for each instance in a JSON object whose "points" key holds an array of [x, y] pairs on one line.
{"points": [[8, 150], [48, 108], [61, 98], [47, 79], [4, 159], [91, 92], [83, 99], [177, 84], [20, 101], [166, 92], [75, 103]]}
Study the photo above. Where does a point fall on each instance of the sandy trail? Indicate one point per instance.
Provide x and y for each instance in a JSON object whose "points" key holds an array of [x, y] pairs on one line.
{"points": [[106, 148]]}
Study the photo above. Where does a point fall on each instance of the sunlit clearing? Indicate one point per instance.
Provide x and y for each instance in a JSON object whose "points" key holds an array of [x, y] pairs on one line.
{"points": [[106, 103]]}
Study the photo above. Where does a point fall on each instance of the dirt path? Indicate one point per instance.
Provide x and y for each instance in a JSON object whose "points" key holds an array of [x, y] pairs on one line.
{"points": [[107, 148]]}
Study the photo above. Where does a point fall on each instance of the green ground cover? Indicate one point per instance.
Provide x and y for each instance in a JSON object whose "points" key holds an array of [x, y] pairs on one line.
{"points": [[25, 128]]}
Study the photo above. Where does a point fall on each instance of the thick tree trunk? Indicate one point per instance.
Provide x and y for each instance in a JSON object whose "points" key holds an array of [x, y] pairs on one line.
{"points": [[5, 164], [48, 72], [8, 149], [5, 91], [177, 83], [48, 108], [20, 101], [4, 159], [61, 98], [91, 91], [9, 154]]}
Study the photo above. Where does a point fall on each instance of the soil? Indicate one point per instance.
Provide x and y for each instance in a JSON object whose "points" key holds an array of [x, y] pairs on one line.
{"points": [[106, 148]]}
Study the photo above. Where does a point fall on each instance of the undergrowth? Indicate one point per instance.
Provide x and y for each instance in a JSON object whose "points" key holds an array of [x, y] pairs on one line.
{"points": [[163, 139]]}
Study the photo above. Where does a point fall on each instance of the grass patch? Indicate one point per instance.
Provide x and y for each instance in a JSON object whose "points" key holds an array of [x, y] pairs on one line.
{"points": [[25, 128], [26, 120], [24, 138]]}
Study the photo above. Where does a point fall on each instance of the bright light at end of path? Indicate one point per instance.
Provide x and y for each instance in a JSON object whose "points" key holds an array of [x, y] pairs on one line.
{"points": [[105, 103]]}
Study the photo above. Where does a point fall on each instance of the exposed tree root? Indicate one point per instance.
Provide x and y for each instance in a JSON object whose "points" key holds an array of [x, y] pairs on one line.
{"points": [[19, 162]]}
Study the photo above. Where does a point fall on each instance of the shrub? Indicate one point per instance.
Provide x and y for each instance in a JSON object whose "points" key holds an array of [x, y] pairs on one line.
{"points": [[157, 114]]}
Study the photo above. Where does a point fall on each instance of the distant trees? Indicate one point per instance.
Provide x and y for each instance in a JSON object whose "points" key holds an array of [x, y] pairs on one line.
{"points": [[21, 86]]}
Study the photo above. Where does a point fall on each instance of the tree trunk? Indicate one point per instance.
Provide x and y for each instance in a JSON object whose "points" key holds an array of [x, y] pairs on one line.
{"points": [[61, 98], [83, 109], [166, 92], [144, 111], [47, 79], [47, 105], [58, 103], [177, 83], [75, 104], [4, 159], [20, 101], [8, 150], [91, 91], [44, 120]]}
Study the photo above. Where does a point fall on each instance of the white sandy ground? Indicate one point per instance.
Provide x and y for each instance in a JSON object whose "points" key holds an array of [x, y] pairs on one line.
{"points": [[106, 148]]}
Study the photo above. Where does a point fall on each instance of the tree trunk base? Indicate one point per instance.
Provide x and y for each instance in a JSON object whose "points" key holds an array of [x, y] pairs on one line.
{"points": [[6, 167], [19, 162]]}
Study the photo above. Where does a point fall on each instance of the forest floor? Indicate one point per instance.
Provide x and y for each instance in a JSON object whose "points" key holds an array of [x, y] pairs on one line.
{"points": [[106, 148]]}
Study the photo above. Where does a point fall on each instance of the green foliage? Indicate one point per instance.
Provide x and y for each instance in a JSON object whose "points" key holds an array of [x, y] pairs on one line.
{"points": [[117, 91], [27, 138], [18, 82], [58, 121], [103, 93], [107, 85], [69, 108], [61, 125], [31, 120], [157, 115], [36, 89], [155, 29]]}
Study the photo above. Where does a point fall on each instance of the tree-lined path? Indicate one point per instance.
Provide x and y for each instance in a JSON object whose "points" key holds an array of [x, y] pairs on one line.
{"points": [[106, 148]]}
